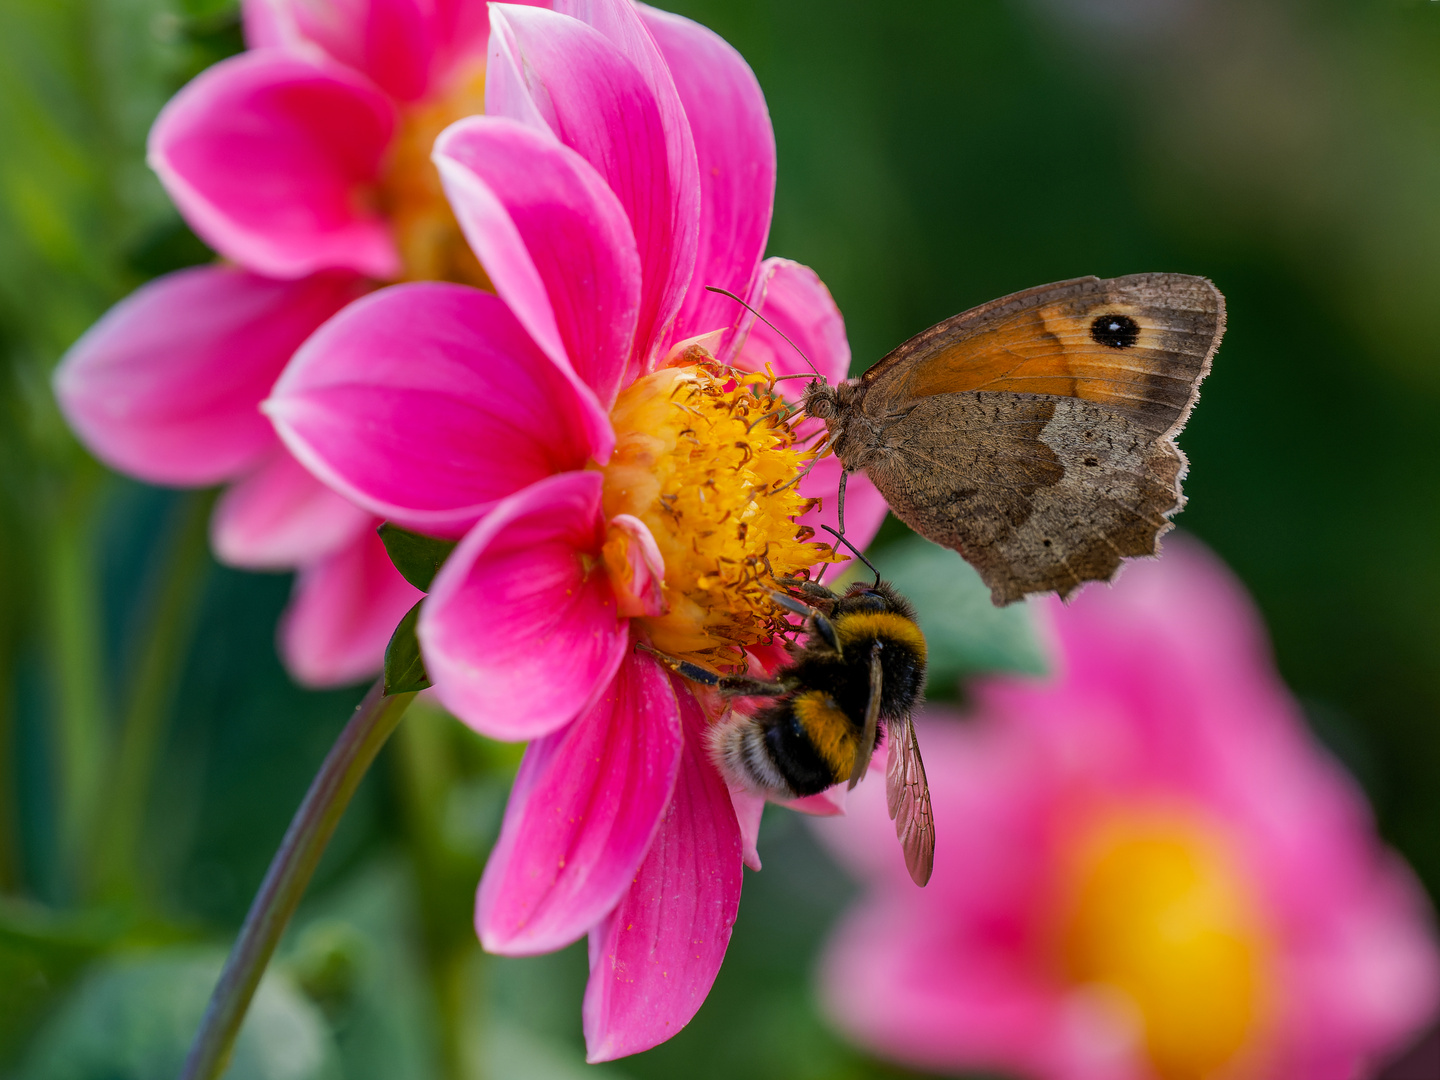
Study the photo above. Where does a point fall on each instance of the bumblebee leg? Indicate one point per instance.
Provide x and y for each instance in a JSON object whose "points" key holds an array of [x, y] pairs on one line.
{"points": [[683, 668], [745, 686], [789, 603], [818, 619], [813, 590], [729, 685]]}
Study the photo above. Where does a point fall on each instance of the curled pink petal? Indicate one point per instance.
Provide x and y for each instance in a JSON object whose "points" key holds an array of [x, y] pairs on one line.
{"points": [[427, 403], [636, 567], [552, 237], [280, 517], [654, 958], [749, 809], [272, 157], [735, 152], [793, 297], [520, 633], [584, 809], [343, 612], [166, 386], [548, 68]]}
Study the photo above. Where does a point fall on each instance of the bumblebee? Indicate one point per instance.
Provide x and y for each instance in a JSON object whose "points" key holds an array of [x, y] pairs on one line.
{"points": [[855, 679]]}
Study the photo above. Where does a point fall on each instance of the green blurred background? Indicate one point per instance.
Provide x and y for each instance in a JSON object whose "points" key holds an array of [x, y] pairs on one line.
{"points": [[933, 155]]}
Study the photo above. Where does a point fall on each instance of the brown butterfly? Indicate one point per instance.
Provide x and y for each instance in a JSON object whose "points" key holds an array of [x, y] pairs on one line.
{"points": [[1035, 434]]}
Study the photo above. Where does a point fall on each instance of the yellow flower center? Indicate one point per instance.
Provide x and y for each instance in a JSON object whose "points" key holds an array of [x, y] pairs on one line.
{"points": [[1162, 925], [431, 245], [706, 459]]}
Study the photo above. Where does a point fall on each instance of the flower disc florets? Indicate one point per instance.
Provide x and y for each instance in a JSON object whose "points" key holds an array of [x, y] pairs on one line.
{"points": [[707, 458]]}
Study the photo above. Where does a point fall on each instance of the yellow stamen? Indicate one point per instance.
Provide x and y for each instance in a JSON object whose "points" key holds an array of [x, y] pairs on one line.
{"points": [[431, 246], [709, 481], [1161, 922]]}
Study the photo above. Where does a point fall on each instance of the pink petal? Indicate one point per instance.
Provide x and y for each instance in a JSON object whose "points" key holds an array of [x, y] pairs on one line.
{"points": [[749, 809], [793, 297], [427, 403], [830, 802], [584, 808], [342, 614], [553, 239], [266, 23], [410, 48], [272, 157], [654, 958], [625, 120], [280, 517], [735, 151], [520, 634], [166, 386]]}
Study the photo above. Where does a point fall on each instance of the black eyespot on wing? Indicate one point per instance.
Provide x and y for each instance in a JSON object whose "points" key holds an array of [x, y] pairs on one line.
{"points": [[1115, 331]]}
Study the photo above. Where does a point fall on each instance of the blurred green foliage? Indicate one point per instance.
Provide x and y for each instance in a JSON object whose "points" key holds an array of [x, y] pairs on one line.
{"points": [[933, 155]]}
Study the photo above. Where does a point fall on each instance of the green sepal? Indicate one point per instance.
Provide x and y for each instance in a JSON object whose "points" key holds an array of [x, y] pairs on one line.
{"points": [[404, 666], [418, 558]]}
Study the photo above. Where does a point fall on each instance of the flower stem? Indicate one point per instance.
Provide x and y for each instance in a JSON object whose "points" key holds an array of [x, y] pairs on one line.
{"points": [[310, 830]]}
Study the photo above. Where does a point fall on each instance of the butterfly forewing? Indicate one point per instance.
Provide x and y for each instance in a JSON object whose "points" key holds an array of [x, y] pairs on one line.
{"points": [[907, 795]]}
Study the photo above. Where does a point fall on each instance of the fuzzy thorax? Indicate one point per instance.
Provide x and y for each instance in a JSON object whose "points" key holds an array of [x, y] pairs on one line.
{"points": [[707, 459]]}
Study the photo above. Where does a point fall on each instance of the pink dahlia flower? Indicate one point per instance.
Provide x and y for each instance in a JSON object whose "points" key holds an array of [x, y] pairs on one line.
{"points": [[305, 163], [609, 481], [1145, 870]]}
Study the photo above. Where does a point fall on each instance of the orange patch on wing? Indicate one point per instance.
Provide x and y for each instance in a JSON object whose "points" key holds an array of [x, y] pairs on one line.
{"points": [[1049, 351]]}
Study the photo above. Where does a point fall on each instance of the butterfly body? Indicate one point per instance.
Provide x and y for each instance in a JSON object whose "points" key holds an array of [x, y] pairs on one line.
{"points": [[1035, 434]]}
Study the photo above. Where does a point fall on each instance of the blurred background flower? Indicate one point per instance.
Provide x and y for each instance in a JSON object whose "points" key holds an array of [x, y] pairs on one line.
{"points": [[1149, 869], [932, 156]]}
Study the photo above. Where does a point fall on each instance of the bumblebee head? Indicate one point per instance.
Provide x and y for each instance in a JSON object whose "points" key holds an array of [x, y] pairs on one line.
{"points": [[879, 597]]}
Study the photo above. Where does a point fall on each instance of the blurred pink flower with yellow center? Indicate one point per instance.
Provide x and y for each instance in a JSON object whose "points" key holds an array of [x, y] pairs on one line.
{"points": [[304, 162], [1145, 868]]}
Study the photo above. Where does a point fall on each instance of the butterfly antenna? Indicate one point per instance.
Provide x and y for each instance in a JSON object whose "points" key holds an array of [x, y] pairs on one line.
{"points": [[841, 537], [767, 322]]}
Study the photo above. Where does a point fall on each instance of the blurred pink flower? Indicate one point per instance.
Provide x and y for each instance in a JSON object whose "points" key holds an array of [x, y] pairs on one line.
{"points": [[1145, 868], [305, 163], [607, 482]]}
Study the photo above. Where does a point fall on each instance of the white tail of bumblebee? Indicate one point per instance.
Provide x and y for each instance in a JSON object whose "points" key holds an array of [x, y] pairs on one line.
{"points": [[737, 746]]}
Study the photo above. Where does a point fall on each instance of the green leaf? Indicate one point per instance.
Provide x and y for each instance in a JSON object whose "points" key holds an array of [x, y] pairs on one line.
{"points": [[404, 666], [41, 952], [133, 1017], [967, 635], [418, 558]]}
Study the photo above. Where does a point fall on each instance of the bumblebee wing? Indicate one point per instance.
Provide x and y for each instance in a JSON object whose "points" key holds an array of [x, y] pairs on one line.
{"points": [[865, 748], [908, 795]]}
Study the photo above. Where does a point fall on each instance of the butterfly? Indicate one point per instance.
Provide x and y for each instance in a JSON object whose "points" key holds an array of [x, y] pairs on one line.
{"points": [[1035, 434]]}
